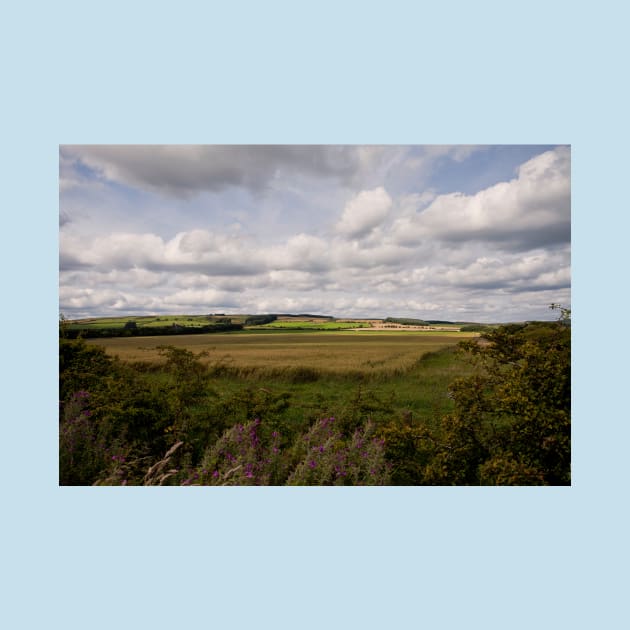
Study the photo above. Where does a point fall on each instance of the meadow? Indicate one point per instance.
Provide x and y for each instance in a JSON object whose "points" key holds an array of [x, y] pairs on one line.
{"points": [[149, 321], [266, 353], [389, 374], [269, 406]]}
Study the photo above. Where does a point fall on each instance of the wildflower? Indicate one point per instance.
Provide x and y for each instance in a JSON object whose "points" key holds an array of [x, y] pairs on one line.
{"points": [[312, 463], [215, 473]]}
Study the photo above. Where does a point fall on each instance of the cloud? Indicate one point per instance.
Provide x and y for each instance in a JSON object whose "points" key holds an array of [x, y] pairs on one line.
{"points": [[197, 250], [354, 231], [301, 252], [532, 210], [186, 170], [194, 298], [364, 212], [514, 273]]}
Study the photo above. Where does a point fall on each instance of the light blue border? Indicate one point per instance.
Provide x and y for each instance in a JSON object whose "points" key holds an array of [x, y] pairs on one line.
{"points": [[342, 72]]}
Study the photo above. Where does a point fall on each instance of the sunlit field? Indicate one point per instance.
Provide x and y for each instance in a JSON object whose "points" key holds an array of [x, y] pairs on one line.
{"points": [[326, 352]]}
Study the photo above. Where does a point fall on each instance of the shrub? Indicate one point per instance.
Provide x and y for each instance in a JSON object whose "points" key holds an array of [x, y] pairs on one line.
{"points": [[408, 449], [326, 457], [240, 457], [512, 421]]}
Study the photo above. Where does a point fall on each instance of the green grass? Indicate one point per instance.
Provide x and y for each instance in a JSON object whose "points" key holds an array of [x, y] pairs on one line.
{"points": [[309, 325], [388, 374], [151, 321]]}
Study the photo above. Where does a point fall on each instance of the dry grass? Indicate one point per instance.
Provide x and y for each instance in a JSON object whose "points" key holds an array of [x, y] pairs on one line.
{"points": [[327, 352]]}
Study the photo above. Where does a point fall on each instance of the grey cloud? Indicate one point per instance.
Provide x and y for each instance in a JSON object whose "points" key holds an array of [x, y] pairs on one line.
{"points": [[185, 170], [68, 262], [64, 218]]}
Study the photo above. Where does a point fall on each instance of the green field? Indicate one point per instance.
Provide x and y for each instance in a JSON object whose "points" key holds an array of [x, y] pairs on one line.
{"points": [[384, 375], [150, 321], [392, 373], [309, 325]]}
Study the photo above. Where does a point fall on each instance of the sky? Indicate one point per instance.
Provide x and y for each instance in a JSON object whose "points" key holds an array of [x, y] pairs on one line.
{"points": [[457, 233]]}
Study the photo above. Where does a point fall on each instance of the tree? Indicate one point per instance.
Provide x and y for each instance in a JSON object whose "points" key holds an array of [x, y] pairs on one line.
{"points": [[515, 415]]}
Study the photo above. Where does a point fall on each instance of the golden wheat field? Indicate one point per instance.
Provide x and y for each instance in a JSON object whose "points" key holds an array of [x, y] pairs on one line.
{"points": [[323, 351]]}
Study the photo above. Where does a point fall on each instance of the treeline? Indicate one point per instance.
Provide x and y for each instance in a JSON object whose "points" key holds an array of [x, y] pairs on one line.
{"points": [[147, 331], [405, 321], [259, 320]]}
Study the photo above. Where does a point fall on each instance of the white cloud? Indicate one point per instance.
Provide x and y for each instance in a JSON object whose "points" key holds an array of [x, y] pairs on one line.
{"points": [[532, 210], [312, 242], [192, 297], [364, 212]]}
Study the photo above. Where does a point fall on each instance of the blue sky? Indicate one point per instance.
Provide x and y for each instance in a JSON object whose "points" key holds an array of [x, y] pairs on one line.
{"points": [[476, 233]]}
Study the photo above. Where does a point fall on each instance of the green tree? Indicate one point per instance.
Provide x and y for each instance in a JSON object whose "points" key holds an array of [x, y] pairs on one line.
{"points": [[515, 415]]}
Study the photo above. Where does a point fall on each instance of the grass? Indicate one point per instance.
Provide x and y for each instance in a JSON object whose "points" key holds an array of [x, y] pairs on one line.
{"points": [[310, 325], [389, 374], [150, 320], [327, 352]]}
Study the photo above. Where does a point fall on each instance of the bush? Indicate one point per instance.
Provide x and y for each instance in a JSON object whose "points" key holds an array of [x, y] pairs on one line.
{"points": [[512, 421], [326, 457]]}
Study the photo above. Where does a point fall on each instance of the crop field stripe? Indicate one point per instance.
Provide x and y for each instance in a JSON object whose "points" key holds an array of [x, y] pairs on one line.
{"points": [[328, 351]]}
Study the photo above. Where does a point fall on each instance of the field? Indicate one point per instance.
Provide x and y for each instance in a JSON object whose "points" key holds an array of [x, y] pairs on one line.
{"points": [[270, 406], [387, 374], [149, 321], [247, 322], [271, 353], [313, 325]]}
